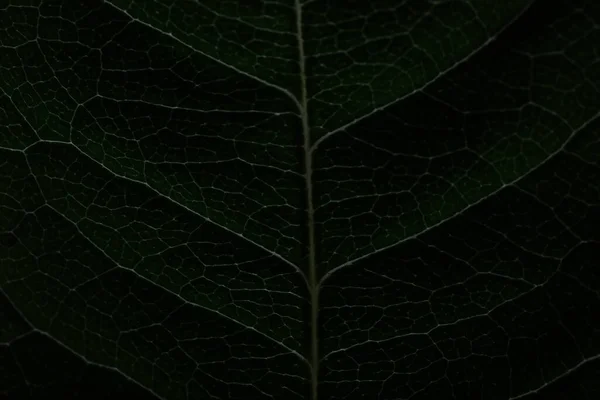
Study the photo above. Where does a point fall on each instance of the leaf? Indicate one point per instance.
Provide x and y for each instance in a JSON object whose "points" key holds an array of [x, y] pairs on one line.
{"points": [[292, 200]]}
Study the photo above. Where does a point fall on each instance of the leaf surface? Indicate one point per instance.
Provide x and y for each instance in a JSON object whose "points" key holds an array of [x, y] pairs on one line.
{"points": [[292, 200]]}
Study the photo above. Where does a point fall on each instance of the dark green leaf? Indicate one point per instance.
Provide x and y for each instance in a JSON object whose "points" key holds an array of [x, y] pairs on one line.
{"points": [[300, 199]]}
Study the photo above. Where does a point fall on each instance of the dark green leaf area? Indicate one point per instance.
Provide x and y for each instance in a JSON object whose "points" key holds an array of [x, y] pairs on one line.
{"points": [[149, 109], [366, 54], [484, 125], [154, 202], [504, 295], [254, 37], [115, 317], [48, 370], [13, 325], [128, 280], [359, 56], [581, 383]]}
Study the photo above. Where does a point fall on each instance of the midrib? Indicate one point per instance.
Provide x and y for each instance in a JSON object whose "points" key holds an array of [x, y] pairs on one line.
{"points": [[312, 265]]}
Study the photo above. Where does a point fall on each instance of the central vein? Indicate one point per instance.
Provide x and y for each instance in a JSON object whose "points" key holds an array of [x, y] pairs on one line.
{"points": [[312, 264]]}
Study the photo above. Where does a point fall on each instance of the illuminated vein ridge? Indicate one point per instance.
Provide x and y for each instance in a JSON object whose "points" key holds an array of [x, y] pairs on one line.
{"points": [[312, 265]]}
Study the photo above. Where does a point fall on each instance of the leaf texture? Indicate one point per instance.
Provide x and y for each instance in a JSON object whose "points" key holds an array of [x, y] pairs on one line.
{"points": [[315, 199]]}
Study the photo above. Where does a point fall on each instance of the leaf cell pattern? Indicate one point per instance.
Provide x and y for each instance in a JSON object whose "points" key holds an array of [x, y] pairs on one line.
{"points": [[314, 199]]}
